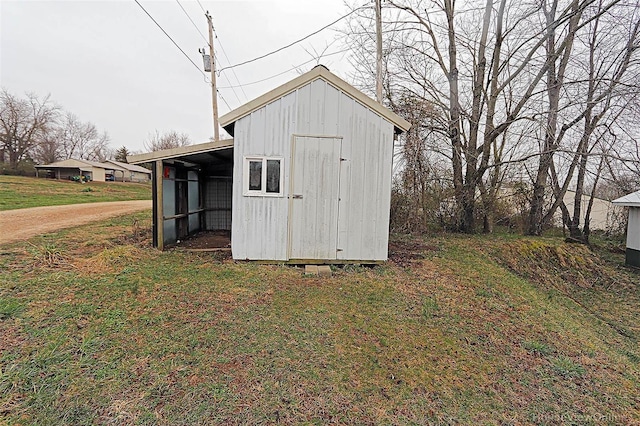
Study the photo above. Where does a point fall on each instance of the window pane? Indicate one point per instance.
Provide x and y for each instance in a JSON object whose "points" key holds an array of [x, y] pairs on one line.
{"points": [[255, 175], [273, 176]]}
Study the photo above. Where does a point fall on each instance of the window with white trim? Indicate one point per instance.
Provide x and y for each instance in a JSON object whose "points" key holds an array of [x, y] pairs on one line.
{"points": [[263, 176]]}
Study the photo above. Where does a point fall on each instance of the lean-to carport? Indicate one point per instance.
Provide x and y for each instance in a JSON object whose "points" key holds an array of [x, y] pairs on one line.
{"points": [[192, 190]]}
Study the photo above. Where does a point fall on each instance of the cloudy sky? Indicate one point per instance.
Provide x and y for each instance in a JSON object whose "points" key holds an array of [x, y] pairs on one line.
{"points": [[107, 62]]}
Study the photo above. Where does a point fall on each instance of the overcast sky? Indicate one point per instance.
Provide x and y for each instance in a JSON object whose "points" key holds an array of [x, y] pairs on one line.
{"points": [[108, 63]]}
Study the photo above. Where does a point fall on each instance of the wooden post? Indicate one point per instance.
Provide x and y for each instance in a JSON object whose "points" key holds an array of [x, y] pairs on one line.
{"points": [[379, 51], [214, 91], [159, 219]]}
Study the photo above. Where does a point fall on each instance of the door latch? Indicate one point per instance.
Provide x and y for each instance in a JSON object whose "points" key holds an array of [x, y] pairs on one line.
{"points": [[297, 196]]}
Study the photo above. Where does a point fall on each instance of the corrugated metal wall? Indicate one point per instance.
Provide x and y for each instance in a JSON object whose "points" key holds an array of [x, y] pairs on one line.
{"points": [[217, 202], [260, 224], [633, 231], [169, 206]]}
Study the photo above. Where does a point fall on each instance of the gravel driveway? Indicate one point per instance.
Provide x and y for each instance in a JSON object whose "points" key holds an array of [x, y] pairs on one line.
{"points": [[21, 224]]}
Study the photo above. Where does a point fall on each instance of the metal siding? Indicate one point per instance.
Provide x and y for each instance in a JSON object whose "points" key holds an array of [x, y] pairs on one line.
{"points": [[259, 225], [633, 229], [357, 192], [314, 216], [218, 195], [345, 211], [303, 98], [169, 206], [365, 182], [98, 174]]}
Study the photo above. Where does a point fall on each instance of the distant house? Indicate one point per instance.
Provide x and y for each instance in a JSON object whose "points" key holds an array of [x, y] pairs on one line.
{"points": [[603, 212], [131, 172], [632, 201], [89, 170], [306, 179]]}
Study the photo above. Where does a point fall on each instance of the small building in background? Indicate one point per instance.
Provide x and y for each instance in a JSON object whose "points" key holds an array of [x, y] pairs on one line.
{"points": [[632, 201], [130, 172], [603, 215], [305, 179], [74, 169]]}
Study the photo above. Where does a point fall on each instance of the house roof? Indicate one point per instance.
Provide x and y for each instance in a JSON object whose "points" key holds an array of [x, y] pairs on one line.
{"points": [[130, 167], [179, 152], [317, 72], [75, 163], [629, 200]]}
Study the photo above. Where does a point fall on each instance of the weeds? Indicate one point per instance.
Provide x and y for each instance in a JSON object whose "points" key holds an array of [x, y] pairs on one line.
{"points": [[48, 255], [538, 348], [10, 308], [567, 368]]}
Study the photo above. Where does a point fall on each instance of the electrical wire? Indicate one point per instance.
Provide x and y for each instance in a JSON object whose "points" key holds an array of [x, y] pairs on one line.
{"points": [[224, 52], [200, 4], [229, 82], [293, 43], [286, 71], [225, 101], [193, 23], [172, 40]]}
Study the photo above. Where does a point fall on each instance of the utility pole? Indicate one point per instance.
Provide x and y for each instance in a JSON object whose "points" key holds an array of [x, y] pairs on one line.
{"points": [[214, 91], [379, 51]]}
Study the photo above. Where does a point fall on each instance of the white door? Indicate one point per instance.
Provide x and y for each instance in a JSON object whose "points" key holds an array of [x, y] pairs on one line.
{"points": [[314, 191]]}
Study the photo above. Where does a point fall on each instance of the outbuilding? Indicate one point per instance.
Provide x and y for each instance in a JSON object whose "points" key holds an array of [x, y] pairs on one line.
{"points": [[72, 167], [305, 179], [632, 201], [130, 172]]}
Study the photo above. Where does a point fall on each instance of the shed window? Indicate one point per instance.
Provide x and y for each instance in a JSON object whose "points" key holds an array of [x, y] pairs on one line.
{"points": [[255, 175], [263, 176]]}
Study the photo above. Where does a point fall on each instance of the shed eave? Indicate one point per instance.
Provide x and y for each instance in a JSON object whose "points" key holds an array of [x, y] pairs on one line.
{"points": [[629, 200], [179, 152]]}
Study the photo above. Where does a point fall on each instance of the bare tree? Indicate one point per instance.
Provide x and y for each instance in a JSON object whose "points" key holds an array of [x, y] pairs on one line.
{"points": [[171, 139], [48, 149], [23, 121], [82, 140]]}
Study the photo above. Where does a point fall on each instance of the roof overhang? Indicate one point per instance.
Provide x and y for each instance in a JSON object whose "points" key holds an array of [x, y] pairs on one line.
{"points": [[227, 120], [630, 200], [180, 151]]}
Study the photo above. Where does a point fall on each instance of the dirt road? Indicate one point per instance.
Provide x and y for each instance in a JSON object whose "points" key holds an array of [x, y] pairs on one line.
{"points": [[21, 224]]}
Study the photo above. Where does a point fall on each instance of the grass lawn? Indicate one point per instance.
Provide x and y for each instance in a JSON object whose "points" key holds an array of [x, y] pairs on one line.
{"points": [[454, 330], [17, 192]]}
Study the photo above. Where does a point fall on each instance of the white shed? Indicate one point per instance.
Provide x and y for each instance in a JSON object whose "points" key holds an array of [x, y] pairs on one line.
{"points": [[633, 228], [309, 179]]}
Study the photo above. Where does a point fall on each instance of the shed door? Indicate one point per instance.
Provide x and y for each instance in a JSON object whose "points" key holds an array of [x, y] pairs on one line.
{"points": [[313, 203]]}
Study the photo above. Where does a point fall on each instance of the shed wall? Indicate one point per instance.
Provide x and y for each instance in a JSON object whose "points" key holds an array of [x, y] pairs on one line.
{"points": [[260, 224], [97, 174], [633, 229]]}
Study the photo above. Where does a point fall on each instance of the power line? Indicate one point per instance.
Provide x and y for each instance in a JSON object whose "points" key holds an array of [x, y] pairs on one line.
{"points": [[229, 82], [293, 43], [172, 40], [225, 101], [194, 24], [200, 4], [286, 71], [229, 61]]}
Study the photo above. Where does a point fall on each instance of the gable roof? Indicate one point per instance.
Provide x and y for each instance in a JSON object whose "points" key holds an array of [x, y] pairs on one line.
{"points": [[130, 167], [317, 72], [76, 163], [629, 200], [181, 151]]}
